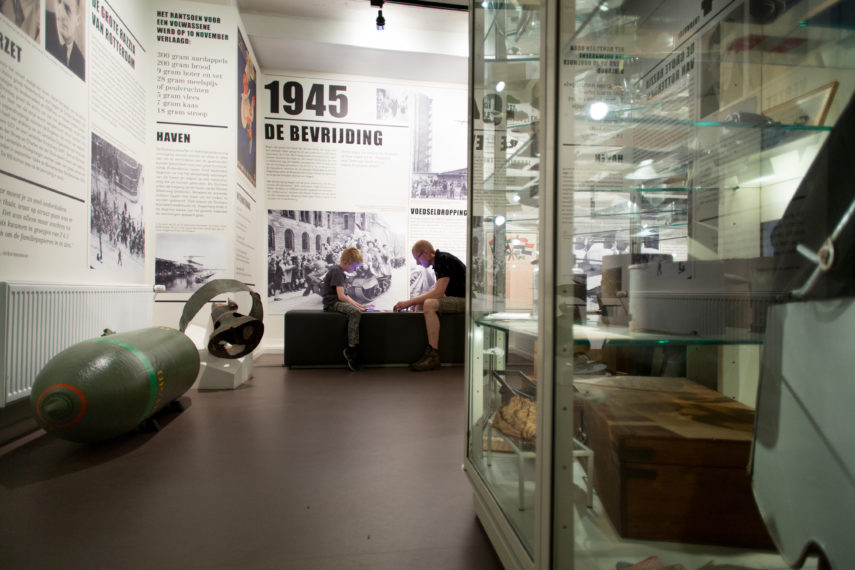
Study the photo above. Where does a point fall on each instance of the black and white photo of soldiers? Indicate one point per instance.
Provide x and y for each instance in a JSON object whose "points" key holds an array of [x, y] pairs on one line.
{"points": [[116, 228]]}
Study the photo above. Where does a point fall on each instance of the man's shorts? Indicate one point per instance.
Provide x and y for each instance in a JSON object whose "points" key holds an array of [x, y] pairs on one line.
{"points": [[452, 305]]}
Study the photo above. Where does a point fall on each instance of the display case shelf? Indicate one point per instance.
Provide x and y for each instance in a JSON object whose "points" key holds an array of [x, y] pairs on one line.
{"points": [[511, 59], [593, 333], [664, 189]]}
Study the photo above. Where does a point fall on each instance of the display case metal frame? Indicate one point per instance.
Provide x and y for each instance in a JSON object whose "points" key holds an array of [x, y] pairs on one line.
{"points": [[542, 549]]}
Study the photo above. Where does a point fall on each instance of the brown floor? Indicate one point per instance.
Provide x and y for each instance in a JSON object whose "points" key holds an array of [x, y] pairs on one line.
{"points": [[296, 469]]}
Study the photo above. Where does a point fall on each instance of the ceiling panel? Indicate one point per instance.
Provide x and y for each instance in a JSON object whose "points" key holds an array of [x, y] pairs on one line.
{"points": [[340, 37]]}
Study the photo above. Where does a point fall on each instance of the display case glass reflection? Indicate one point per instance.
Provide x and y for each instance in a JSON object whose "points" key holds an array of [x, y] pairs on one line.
{"points": [[503, 259], [684, 131], [681, 133]]}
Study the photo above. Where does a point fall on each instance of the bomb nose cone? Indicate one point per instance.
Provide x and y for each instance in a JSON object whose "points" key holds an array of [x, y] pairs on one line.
{"points": [[61, 405], [58, 408]]}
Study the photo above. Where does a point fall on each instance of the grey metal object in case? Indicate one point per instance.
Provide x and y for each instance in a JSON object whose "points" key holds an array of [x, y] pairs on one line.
{"points": [[804, 447]]}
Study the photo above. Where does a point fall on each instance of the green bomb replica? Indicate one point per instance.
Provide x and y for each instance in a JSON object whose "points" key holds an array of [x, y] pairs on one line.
{"points": [[107, 386]]}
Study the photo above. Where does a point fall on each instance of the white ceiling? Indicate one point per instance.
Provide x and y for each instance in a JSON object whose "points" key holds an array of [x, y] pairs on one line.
{"points": [[340, 37]]}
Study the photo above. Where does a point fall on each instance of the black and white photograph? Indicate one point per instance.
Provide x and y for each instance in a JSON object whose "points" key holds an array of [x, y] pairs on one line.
{"points": [[439, 170], [439, 186], [392, 104], [117, 230], [422, 280], [302, 246], [25, 14], [65, 33], [185, 262]]}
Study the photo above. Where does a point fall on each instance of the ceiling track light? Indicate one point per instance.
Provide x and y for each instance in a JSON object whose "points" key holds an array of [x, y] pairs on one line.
{"points": [[430, 4], [381, 21]]}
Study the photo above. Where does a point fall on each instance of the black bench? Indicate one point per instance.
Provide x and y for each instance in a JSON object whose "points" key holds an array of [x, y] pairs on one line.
{"points": [[317, 338]]}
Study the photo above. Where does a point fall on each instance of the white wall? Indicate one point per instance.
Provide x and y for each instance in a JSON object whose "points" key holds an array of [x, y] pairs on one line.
{"points": [[150, 139]]}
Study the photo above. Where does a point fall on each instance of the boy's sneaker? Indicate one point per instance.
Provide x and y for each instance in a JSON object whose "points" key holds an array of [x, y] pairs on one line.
{"points": [[352, 357], [428, 361]]}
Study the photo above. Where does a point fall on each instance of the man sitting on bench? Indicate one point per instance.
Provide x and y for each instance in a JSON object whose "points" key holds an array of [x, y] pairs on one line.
{"points": [[448, 295]]}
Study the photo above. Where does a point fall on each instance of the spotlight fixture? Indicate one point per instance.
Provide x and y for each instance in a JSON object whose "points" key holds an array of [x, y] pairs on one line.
{"points": [[381, 21]]}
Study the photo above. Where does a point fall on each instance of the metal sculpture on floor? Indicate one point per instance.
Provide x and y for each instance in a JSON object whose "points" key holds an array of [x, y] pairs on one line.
{"points": [[234, 335], [108, 386]]}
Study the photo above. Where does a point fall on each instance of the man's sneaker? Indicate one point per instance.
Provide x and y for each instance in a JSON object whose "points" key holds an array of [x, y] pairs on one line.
{"points": [[429, 361], [352, 357]]}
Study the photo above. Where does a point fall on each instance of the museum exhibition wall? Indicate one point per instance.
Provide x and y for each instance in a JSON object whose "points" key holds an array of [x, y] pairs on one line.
{"points": [[371, 163], [162, 154], [134, 158]]}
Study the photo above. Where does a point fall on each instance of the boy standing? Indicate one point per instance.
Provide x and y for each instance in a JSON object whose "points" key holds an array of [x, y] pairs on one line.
{"points": [[335, 299]]}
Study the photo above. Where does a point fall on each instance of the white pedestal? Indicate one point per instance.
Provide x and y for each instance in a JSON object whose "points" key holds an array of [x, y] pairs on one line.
{"points": [[217, 373], [223, 373]]}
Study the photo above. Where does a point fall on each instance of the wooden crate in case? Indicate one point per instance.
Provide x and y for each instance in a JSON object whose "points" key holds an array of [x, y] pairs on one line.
{"points": [[671, 460]]}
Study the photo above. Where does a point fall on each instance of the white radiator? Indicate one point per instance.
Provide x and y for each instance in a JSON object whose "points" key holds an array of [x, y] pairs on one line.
{"points": [[38, 320]]}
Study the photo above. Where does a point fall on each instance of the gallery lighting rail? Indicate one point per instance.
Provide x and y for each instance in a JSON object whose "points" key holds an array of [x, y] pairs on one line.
{"points": [[428, 4]]}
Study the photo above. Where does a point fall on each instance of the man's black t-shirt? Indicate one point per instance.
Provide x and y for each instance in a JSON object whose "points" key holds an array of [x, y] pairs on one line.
{"points": [[447, 265]]}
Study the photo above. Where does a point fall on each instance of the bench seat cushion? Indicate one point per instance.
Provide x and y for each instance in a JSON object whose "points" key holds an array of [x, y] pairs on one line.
{"points": [[317, 338]]}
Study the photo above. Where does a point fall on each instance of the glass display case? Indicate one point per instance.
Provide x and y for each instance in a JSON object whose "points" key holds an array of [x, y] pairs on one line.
{"points": [[633, 167], [506, 165]]}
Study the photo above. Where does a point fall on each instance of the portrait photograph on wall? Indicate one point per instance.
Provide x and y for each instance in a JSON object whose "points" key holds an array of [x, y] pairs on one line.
{"points": [[25, 14], [303, 245], [246, 112], [117, 229], [65, 33]]}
